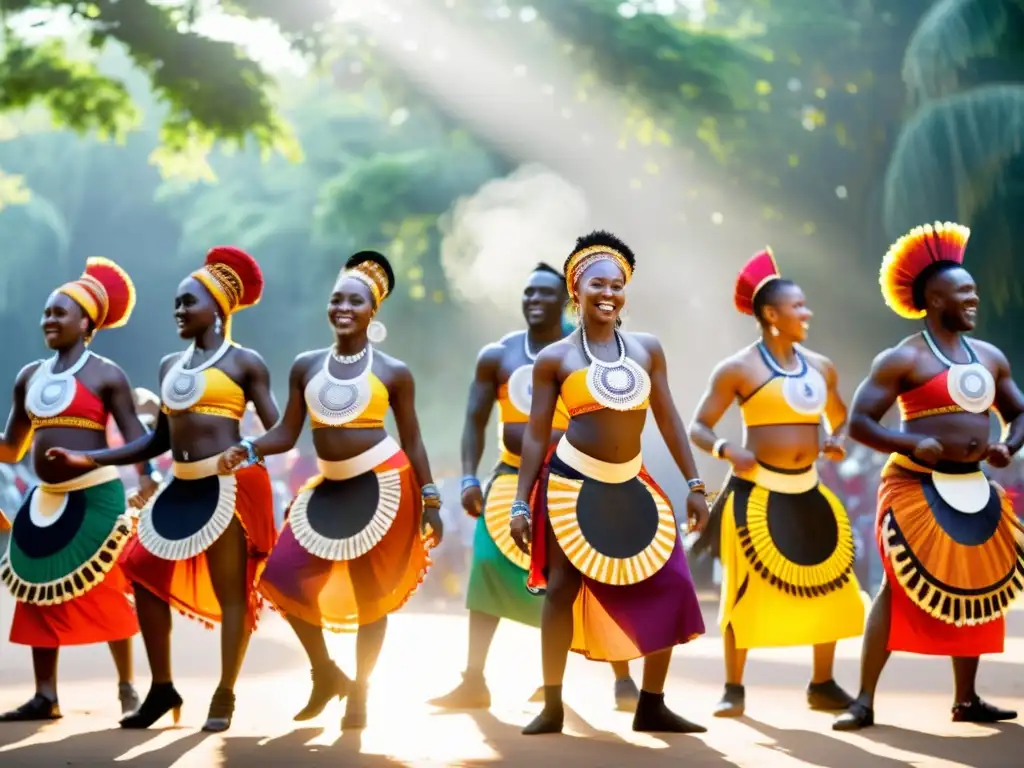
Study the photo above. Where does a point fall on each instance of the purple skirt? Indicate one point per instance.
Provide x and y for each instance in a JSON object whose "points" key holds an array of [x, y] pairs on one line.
{"points": [[637, 595]]}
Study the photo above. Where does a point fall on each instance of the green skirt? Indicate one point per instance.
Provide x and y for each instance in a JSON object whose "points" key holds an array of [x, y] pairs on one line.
{"points": [[497, 578], [62, 544]]}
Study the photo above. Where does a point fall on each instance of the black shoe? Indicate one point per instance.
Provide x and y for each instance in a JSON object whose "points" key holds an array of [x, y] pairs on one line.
{"points": [[328, 682], [855, 717], [733, 702], [37, 708], [222, 708], [652, 716], [978, 711], [161, 699], [471, 693], [828, 697], [626, 695]]}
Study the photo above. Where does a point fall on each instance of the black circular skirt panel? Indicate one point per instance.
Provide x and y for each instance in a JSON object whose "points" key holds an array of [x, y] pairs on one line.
{"points": [[39, 543], [619, 520], [185, 517], [184, 507], [344, 519], [340, 509]]}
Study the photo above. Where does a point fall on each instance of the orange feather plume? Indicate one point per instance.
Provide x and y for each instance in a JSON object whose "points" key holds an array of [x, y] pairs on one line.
{"points": [[908, 257]]}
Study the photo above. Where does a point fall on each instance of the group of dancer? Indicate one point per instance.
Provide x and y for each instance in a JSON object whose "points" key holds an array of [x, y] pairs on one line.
{"points": [[573, 535]]}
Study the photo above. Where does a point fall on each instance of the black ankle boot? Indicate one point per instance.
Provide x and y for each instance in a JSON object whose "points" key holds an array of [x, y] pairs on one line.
{"points": [[552, 718], [328, 682], [161, 699]]}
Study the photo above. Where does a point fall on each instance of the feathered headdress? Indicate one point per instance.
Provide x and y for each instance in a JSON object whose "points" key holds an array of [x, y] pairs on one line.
{"points": [[597, 246], [104, 292], [909, 258], [759, 270], [233, 278]]}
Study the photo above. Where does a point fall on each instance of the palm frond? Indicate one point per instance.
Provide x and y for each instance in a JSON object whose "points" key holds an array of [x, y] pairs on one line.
{"points": [[950, 159], [955, 36]]}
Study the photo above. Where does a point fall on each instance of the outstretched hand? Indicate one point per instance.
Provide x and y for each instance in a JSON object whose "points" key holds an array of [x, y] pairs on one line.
{"points": [[73, 459]]}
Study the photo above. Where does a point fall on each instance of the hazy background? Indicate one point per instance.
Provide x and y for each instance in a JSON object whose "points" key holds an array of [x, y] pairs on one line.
{"points": [[468, 139]]}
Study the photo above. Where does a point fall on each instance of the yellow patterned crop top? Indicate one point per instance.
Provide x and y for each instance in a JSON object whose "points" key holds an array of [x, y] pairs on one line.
{"points": [[358, 403], [620, 387], [515, 397], [204, 389], [788, 397]]}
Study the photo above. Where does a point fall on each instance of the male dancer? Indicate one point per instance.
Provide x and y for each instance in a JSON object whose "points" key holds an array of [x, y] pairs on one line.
{"points": [[950, 541], [497, 580]]}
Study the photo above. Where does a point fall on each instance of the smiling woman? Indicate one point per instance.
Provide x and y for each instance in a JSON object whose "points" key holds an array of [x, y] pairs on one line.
{"points": [[355, 542], [63, 562], [784, 539], [203, 539]]}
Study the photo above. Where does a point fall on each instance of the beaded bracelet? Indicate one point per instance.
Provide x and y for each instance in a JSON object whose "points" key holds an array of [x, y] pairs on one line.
{"points": [[469, 481], [254, 456], [429, 491], [696, 485], [520, 509]]}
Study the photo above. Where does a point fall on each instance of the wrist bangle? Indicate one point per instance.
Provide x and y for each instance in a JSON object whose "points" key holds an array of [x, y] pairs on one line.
{"points": [[519, 509], [254, 456], [718, 447], [696, 485], [429, 491], [470, 481]]}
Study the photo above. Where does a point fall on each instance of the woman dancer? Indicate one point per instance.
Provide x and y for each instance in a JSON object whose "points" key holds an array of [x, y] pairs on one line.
{"points": [[605, 541], [354, 546], [950, 541], [786, 543], [62, 561], [203, 538]]}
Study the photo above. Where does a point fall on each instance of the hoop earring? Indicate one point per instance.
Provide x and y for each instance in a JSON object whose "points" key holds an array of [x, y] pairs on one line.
{"points": [[376, 332]]}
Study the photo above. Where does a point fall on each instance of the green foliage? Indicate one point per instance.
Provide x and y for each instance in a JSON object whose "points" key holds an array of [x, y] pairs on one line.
{"points": [[960, 155], [208, 89]]}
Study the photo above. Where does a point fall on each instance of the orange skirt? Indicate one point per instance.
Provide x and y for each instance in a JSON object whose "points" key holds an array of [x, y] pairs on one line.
{"points": [[102, 615], [351, 550], [953, 570], [5, 524], [192, 509]]}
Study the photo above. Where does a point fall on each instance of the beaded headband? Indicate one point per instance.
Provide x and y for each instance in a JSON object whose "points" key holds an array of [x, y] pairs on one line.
{"points": [[583, 259], [372, 275], [223, 283]]}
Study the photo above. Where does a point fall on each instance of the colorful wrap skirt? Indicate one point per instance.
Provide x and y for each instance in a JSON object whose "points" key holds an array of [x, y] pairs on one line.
{"points": [[5, 524], [497, 576], [787, 560], [953, 553], [62, 564], [616, 527], [351, 550], [187, 515]]}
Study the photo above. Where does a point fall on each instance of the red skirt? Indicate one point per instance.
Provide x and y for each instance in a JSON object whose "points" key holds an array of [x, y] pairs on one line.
{"points": [[952, 575], [102, 615], [190, 512]]}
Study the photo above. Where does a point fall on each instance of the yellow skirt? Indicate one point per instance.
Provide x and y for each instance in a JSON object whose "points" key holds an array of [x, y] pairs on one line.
{"points": [[787, 557]]}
